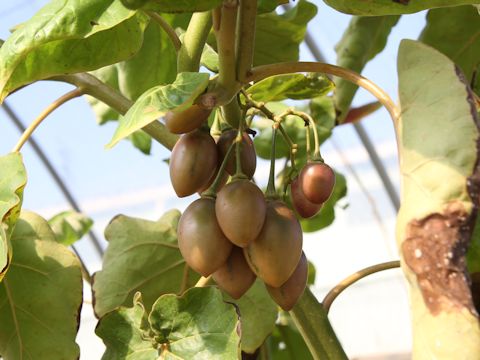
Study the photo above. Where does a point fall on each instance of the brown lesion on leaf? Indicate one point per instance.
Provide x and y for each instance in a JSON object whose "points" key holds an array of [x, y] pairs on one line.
{"points": [[434, 249], [402, 2]]}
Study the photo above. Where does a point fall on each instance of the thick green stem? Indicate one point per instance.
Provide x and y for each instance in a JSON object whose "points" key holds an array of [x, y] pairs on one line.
{"points": [[90, 85], [312, 321], [246, 37], [194, 42], [225, 34], [232, 113]]}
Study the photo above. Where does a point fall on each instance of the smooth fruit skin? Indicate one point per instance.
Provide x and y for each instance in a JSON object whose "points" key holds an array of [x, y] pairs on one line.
{"points": [[287, 295], [193, 162], [305, 208], [241, 209], [235, 276], [201, 241], [187, 120], [274, 254], [247, 153], [317, 180]]}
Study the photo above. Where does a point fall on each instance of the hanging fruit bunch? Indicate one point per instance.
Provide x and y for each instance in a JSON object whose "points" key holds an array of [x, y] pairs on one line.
{"points": [[234, 232]]}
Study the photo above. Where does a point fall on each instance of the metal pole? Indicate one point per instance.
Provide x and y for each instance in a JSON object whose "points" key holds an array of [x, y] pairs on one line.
{"points": [[50, 168]]}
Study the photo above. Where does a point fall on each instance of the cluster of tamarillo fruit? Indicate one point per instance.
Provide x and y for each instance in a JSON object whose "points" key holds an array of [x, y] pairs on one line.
{"points": [[233, 232]]}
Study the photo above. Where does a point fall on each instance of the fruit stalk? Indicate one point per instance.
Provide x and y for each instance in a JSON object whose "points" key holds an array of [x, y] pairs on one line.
{"points": [[271, 193], [212, 190], [172, 35]]}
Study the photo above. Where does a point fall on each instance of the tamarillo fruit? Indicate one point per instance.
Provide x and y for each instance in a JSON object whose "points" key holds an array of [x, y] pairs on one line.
{"points": [[187, 120], [317, 180], [304, 207], [247, 153]]}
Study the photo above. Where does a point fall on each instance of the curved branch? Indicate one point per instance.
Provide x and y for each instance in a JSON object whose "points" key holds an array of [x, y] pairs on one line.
{"points": [[345, 283], [203, 281], [51, 108], [92, 86], [177, 44], [264, 71]]}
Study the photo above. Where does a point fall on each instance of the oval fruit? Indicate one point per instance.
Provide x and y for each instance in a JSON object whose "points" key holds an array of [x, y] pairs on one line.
{"points": [[287, 295], [317, 180], [240, 209], [247, 153], [201, 241], [302, 205], [193, 162], [187, 120], [223, 181], [235, 276], [274, 254]]}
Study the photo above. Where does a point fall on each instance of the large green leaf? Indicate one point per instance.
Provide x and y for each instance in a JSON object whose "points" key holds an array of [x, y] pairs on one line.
{"points": [[172, 6], [197, 325], [456, 33], [69, 36], [157, 101], [258, 314], [363, 39], [70, 226], [154, 64], [12, 182], [278, 37], [326, 215], [40, 297], [141, 256], [438, 136], [291, 86], [391, 7], [124, 335]]}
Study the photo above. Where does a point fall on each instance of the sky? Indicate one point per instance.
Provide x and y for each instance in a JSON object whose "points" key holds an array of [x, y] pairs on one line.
{"points": [[371, 317]]}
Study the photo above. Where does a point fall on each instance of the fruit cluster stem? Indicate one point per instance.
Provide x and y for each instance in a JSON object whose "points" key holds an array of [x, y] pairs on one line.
{"points": [[271, 193]]}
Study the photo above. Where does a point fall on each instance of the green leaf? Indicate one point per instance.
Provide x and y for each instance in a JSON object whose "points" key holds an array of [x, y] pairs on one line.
{"points": [[278, 37], [199, 325], [286, 343], [473, 254], [173, 6], [323, 113], [141, 256], [40, 297], [142, 141], [209, 58], [391, 7], [456, 33], [67, 37], [438, 136], [291, 86], [264, 6], [196, 325], [364, 38], [123, 333], [70, 226], [258, 314], [12, 182], [157, 101], [326, 215], [312, 273]]}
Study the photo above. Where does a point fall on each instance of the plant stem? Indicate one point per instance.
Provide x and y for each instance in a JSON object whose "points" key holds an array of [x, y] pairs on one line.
{"points": [[271, 193], [345, 283], [238, 150], [307, 139], [232, 113], [246, 37], [185, 276], [50, 108], [177, 44], [92, 86], [194, 41], [264, 71], [212, 190], [203, 281], [225, 34], [309, 120], [312, 321]]}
